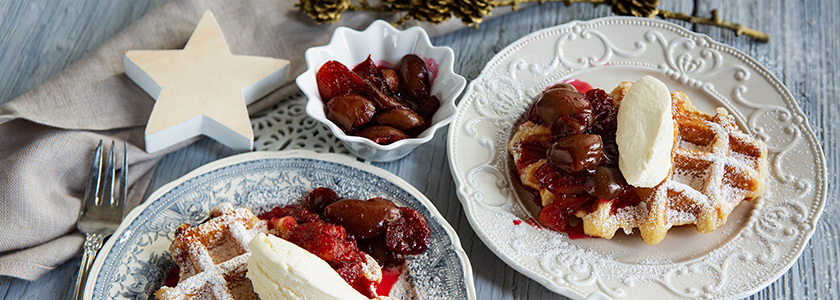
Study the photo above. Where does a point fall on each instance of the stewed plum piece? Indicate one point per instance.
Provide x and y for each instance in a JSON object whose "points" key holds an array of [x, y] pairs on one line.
{"points": [[382, 100], [318, 199], [604, 112], [401, 118], [427, 109], [568, 107], [172, 277], [335, 79], [414, 78], [560, 183], [610, 151], [383, 134], [562, 86], [366, 69], [391, 80], [607, 183], [409, 234], [282, 226], [576, 153], [362, 219], [298, 212], [376, 248], [564, 127], [556, 214], [350, 111], [328, 241]]}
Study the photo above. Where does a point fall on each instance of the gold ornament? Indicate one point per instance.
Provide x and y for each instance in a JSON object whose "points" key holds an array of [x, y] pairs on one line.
{"points": [[471, 12], [638, 8], [324, 11]]}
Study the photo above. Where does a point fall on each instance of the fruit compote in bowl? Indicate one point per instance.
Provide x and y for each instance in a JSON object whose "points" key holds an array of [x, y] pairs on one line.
{"points": [[365, 120]]}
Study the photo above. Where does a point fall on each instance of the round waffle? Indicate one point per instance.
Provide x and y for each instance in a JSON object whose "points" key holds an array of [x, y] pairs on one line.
{"points": [[213, 256], [715, 166]]}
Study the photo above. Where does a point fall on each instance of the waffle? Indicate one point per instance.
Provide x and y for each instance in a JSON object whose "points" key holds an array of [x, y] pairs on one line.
{"points": [[715, 166], [213, 256]]}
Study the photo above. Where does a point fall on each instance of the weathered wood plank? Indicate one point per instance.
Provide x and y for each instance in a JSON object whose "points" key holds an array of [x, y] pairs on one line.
{"points": [[40, 38]]}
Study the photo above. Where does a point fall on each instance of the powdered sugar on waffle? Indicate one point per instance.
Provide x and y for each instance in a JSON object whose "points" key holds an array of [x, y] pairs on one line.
{"points": [[213, 256], [706, 183]]}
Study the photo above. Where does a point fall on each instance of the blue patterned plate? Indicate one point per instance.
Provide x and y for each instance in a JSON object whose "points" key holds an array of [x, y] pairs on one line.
{"points": [[133, 262]]}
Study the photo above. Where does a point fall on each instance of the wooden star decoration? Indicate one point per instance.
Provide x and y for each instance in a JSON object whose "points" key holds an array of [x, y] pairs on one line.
{"points": [[202, 89]]}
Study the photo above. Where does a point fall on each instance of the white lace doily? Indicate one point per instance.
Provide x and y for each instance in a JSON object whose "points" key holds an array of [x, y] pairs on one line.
{"points": [[287, 126]]}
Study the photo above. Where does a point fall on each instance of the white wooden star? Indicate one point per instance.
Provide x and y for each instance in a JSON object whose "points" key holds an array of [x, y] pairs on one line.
{"points": [[203, 89]]}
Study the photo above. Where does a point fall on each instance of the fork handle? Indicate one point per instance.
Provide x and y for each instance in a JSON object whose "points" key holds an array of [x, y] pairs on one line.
{"points": [[92, 244]]}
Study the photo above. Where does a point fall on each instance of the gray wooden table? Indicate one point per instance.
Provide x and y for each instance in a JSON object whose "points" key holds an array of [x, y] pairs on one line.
{"points": [[39, 38]]}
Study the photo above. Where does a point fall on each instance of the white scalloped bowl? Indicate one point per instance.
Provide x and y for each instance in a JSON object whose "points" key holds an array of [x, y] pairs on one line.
{"points": [[383, 42]]}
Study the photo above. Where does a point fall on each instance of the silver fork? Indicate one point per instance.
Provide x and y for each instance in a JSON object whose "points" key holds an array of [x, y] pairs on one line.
{"points": [[101, 211]]}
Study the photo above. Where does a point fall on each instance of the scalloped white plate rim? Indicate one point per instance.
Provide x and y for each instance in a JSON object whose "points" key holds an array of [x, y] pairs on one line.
{"points": [[298, 153], [510, 261]]}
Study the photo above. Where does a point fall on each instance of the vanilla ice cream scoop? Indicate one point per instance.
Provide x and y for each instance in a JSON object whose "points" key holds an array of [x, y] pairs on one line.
{"points": [[281, 270], [645, 133]]}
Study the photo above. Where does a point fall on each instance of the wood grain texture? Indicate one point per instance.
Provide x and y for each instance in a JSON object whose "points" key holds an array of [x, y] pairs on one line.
{"points": [[38, 39]]}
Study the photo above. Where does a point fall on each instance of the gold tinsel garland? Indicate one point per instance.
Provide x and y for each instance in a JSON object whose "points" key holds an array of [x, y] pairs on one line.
{"points": [[472, 12]]}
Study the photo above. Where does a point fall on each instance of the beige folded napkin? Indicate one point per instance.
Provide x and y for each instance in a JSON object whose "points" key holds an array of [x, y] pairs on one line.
{"points": [[47, 136]]}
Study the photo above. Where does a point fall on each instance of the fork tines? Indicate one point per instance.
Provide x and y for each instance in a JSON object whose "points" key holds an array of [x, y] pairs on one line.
{"points": [[101, 184]]}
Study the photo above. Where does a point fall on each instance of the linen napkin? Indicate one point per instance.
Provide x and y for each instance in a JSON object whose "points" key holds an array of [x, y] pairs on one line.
{"points": [[47, 136]]}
